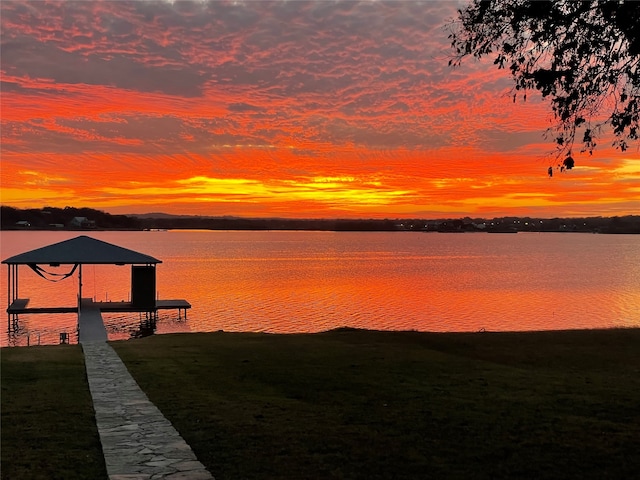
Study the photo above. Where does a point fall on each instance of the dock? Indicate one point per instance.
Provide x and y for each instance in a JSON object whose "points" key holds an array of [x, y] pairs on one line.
{"points": [[181, 305], [75, 253], [20, 305], [90, 323]]}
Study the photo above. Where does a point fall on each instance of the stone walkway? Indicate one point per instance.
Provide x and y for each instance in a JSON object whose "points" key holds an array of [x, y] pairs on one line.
{"points": [[138, 442]]}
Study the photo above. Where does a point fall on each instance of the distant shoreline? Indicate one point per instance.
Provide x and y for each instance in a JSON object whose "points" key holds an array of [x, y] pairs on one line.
{"points": [[87, 219], [622, 231]]}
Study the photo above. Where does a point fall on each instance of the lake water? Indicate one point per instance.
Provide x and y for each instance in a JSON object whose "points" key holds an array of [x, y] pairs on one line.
{"points": [[313, 281]]}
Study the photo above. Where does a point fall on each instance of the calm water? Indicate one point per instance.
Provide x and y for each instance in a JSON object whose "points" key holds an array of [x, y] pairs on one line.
{"points": [[314, 281]]}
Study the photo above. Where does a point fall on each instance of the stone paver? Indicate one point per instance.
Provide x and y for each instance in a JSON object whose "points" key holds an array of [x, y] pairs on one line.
{"points": [[138, 442]]}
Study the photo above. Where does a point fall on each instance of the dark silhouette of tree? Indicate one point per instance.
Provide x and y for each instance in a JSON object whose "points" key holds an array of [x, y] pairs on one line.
{"points": [[582, 55]]}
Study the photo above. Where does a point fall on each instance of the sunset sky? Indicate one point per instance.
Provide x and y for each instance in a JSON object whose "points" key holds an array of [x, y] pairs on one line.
{"points": [[288, 109]]}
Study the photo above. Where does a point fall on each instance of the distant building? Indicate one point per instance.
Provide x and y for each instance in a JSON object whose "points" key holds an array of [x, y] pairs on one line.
{"points": [[82, 222]]}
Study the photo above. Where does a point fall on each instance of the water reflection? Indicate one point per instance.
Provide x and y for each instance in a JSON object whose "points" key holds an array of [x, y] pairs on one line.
{"points": [[46, 329], [313, 281], [42, 330], [138, 325]]}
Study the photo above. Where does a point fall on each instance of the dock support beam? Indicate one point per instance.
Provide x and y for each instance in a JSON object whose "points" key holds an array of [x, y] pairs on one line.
{"points": [[79, 294], [12, 296]]}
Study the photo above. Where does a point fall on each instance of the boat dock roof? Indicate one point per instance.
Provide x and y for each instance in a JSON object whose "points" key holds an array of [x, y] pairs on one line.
{"points": [[81, 250]]}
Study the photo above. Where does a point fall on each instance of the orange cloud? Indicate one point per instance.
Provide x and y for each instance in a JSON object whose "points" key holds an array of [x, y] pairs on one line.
{"points": [[290, 109]]}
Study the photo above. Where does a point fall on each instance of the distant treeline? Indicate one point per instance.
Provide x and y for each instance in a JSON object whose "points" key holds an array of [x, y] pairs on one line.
{"points": [[236, 223], [51, 218], [69, 218]]}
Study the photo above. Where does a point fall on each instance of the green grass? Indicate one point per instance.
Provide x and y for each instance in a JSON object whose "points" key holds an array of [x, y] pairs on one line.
{"points": [[348, 404], [48, 423], [384, 405]]}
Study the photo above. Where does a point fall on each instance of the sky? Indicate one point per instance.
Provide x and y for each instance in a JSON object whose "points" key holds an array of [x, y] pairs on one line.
{"points": [[300, 109]]}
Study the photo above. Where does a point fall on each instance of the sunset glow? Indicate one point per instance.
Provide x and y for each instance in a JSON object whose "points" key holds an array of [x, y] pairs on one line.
{"points": [[285, 109]]}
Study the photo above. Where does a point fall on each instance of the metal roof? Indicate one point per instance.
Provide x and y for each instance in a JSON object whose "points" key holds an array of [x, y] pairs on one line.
{"points": [[82, 250]]}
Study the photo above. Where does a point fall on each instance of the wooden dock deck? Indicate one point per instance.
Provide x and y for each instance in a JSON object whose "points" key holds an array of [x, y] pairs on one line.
{"points": [[90, 324], [20, 305], [129, 307]]}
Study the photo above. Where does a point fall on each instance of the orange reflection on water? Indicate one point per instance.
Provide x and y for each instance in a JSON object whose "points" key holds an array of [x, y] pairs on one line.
{"points": [[313, 281]]}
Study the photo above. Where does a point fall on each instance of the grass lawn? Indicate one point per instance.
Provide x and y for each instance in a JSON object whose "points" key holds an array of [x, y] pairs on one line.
{"points": [[383, 405], [48, 423]]}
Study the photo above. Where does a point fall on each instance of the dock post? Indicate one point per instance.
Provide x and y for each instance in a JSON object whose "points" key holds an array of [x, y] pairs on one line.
{"points": [[79, 293], [79, 287], [10, 296], [8, 299]]}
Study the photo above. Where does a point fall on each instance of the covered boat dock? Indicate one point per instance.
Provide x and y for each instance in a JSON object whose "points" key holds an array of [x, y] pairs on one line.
{"points": [[75, 253]]}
